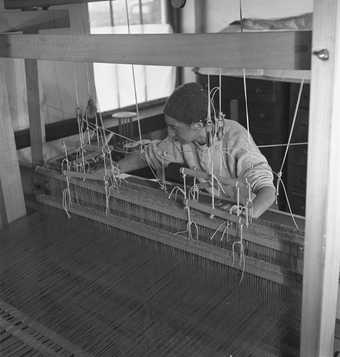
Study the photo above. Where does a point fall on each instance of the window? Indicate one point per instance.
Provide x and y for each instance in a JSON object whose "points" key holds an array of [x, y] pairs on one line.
{"points": [[114, 82]]}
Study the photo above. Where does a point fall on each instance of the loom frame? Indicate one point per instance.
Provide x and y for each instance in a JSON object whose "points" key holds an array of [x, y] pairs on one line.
{"points": [[322, 245]]}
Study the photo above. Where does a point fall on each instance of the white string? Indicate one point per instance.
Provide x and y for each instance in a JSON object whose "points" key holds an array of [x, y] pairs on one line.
{"points": [[66, 193], [288, 202], [244, 78], [212, 96], [220, 92], [81, 138], [58, 110], [279, 174], [241, 15], [293, 124], [217, 229], [219, 185], [76, 87], [242, 260], [157, 179], [93, 127], [88, 80], [212, 178], [107, 196], [280, 145], [246, 103], [134, 80], [225, 231], [175, 191], [66, 201]]}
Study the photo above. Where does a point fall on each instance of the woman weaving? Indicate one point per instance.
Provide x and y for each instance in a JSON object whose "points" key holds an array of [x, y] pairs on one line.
{"points": [[234, 155]]}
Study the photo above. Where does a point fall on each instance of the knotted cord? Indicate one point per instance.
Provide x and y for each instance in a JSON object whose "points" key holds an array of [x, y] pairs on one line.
{"points": [[134, 80]]}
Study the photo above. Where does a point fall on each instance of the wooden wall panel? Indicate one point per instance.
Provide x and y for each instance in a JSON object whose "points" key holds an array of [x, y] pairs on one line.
{"points": [[37, 125]]}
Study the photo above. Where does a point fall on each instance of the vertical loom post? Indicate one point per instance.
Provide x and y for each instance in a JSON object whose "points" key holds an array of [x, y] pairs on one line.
{"points": [[37, 127], [12, 203], [322, 238]]}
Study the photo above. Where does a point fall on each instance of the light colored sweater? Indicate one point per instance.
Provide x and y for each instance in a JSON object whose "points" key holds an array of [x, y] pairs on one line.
{"points": [[236, 156]]}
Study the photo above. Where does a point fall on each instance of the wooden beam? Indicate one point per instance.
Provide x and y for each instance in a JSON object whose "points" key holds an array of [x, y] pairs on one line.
{"points": [[37, 126], [322, 239], [12, 199], [288, 50], [202, 249], [29, 4], [3, 214], [31, 21]]}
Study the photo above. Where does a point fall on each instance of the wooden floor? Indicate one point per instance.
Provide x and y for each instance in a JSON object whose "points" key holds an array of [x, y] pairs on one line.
{"points": [[69, 287]]}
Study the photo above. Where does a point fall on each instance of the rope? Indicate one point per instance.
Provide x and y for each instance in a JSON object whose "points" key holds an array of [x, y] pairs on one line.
{"points": [[66, 193], [134, 80], [293, 124], [279, 174], [220, 92], [225, 231], [242, 261], [212, 178], [288, 202], [246, 104], [241, 15], [280, 145], [175, 191], [244, 78], [76, 88]]}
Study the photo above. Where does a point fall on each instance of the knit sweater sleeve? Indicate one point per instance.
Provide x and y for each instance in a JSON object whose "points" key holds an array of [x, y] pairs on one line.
{"points": [[163, 152], [245, 159]]}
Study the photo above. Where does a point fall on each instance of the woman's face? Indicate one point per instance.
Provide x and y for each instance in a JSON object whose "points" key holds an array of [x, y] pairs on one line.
{"points": [[182, 132]]}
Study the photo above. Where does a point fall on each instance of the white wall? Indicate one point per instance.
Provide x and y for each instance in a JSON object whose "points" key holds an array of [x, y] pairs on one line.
{"points": [[221, 12], [63, 85]]}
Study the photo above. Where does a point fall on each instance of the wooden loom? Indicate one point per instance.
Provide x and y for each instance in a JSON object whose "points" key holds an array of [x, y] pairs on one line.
{"points": [[321, 270], [273, 247]]}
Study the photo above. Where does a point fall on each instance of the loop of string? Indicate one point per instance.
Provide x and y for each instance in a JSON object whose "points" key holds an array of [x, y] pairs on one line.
{"points": [[279, 174], [293, 125]]}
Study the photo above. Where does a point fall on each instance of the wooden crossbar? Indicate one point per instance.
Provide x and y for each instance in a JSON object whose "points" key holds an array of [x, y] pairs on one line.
{"points": [[202, 249], [29, 4], [288, 50], [30, 21], [81, 175]]}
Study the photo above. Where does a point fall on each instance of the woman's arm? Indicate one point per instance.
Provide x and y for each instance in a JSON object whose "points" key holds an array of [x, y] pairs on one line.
{"points": [[265, 197], [132, 162]]}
